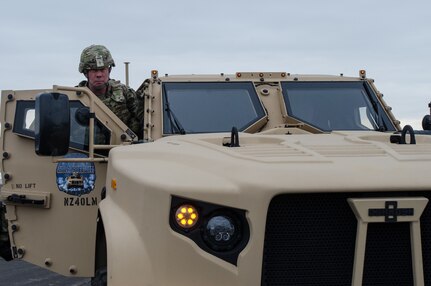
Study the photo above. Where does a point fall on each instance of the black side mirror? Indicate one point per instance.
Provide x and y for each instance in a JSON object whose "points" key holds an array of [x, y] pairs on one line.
{"points": [[52, 124], [426, 122]]}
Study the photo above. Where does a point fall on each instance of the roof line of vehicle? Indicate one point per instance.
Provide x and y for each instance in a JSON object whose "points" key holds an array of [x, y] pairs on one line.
{"points": [[248, 77]]}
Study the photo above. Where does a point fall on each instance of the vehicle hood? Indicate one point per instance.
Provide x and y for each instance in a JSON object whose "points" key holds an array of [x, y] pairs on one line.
{"points": [[339, 161]]}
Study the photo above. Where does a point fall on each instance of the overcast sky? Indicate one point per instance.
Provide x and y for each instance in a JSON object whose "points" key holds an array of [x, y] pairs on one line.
{"points": [[41, 41]]}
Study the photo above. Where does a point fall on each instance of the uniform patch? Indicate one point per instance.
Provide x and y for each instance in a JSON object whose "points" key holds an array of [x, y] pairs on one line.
{"points": [[76, 178], [99, 61]]}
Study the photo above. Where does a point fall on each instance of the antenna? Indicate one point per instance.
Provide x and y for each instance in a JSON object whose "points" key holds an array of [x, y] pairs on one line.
{"points": [[127, 73]]}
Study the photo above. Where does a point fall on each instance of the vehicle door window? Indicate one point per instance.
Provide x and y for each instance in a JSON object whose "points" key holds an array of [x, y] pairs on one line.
{"points": [[25, 119]]}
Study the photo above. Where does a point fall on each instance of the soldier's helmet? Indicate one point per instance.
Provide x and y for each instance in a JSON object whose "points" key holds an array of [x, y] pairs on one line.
{"points": [[95, 57]]}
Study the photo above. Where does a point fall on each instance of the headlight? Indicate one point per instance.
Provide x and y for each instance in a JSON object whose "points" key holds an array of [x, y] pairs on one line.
{"points": [[221, 233], [219, 230]]}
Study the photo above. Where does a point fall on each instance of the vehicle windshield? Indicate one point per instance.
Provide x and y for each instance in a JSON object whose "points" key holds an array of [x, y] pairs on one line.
{"points": [[335, 106], [199, 107]]}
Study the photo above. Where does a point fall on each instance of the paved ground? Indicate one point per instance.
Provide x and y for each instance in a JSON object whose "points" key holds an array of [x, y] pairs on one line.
{"points": [[20, 273]]}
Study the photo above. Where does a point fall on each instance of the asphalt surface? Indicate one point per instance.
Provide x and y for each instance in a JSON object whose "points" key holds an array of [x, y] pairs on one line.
{"points": [[20, 273]]}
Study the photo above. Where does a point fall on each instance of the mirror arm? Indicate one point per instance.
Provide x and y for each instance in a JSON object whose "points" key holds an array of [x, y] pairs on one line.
{"points": [[80, 91]]}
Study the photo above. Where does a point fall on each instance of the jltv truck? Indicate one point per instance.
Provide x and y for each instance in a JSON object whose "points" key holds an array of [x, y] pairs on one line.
{"points": [[245, 179]]}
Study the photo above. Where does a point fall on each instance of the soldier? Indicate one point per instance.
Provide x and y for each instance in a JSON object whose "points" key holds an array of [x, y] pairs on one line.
{"points": [[96, 64]]}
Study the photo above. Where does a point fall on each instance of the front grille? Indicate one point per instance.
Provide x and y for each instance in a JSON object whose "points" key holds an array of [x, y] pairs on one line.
{"points": [[310, 240]]}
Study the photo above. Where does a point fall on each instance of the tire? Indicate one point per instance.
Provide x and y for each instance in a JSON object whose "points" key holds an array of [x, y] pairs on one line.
{"points": [[101, 275], [100, 278]]}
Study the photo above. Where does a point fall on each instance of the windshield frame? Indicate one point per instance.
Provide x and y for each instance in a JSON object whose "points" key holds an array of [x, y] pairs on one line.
{"points": [[170, 120]]}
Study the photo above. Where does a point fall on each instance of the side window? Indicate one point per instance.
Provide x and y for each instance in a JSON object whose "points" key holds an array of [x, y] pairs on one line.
{"points": [[25, 120], [29, 119], [79, 132]]}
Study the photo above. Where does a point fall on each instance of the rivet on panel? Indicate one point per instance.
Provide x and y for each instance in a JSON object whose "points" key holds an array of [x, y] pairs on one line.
{"points": [[21, 252], [7, 126], [7, 176], [14, 227], [48, 262], [73, 270]]}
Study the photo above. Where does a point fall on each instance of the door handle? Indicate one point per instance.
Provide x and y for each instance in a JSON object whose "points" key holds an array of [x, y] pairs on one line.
{"points": [[22, 199], [25, 198]]}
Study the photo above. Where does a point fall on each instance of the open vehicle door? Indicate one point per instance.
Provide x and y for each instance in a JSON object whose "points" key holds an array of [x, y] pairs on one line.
{"points": [[52, 202]]}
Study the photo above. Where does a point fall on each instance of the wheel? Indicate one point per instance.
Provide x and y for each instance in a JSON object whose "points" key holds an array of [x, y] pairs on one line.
{"points": [[100, 278]]}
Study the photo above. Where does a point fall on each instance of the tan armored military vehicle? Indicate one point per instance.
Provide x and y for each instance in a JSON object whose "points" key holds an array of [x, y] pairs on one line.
{"points": [[245, 179]]}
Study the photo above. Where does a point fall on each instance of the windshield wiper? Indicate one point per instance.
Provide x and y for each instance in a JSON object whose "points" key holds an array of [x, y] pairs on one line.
{"points": [[176, 127], [380, 123], [381, 126]]}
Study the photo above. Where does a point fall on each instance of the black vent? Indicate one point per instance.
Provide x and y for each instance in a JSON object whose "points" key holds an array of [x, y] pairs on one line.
{"points": [[310, 240]]}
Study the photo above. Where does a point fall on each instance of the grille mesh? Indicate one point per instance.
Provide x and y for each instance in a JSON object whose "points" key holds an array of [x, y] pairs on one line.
{"points": [[310, 240]]}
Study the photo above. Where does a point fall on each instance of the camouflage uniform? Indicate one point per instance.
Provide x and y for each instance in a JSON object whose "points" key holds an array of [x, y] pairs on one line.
{"points": [[125, 103], [122, 100]]}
